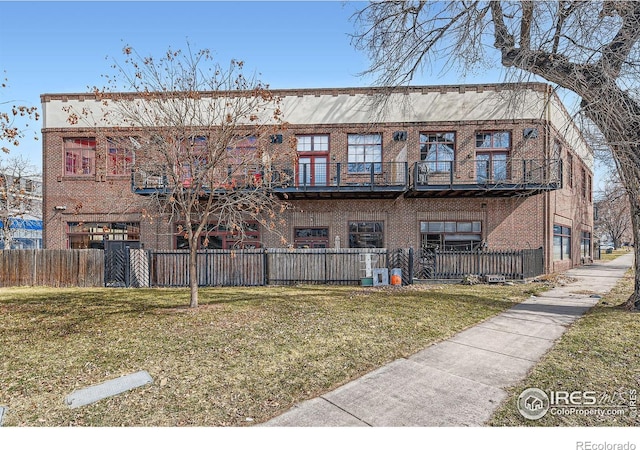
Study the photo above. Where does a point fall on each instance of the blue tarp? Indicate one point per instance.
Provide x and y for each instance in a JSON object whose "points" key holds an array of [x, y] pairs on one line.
{"points": [[23, 224]]}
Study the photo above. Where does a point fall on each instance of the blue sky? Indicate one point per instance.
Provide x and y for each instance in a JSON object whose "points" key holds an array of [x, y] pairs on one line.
{"points": [[51, 47]]}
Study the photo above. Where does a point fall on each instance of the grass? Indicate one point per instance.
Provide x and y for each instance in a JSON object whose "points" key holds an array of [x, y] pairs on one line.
{"points": [[604, 256], [246, 355], [600, 353]]}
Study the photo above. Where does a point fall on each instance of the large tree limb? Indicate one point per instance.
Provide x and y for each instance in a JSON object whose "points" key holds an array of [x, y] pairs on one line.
{"points": [[616, 52]]}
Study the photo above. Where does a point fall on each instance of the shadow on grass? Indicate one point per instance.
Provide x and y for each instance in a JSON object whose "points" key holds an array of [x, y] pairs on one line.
{"points": [[64, 311]]}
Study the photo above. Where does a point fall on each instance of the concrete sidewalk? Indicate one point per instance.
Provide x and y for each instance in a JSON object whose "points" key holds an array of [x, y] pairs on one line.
{"points": [[461, 381]]}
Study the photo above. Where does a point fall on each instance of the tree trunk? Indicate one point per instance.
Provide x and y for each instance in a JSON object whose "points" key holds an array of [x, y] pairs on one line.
{"points": [[624, 133], [634, 300], [193, 275]]}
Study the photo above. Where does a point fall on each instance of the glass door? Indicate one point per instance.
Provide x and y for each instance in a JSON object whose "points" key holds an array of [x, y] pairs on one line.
{"points": [[312, 171], [491, 167]]}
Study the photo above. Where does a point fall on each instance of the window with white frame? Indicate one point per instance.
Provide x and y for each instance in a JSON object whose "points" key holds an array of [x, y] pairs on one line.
{"points": [[313, 143], [438, 149], [364, 153]]}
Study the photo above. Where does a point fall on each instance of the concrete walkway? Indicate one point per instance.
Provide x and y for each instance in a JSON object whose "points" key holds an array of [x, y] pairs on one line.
{"points": [[461, 381]]}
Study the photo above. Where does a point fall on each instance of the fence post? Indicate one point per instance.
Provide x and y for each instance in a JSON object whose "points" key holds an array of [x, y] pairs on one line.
{"points": [[149, 268], [325, 266], [410, 264], [265, 267], [127, 267]]}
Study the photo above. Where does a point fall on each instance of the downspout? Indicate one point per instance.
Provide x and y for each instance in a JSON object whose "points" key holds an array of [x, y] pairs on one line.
{"points": [[548, 246]]}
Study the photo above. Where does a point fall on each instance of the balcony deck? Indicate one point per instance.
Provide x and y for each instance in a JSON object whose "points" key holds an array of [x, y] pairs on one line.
{"points": [[469, 178], [481, 178], [338, 180]]}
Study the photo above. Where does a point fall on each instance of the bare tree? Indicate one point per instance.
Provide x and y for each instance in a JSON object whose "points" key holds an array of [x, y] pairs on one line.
{"points": [[19, 198], [613, 219], [14, 120], [588, 47], [205, 138]]}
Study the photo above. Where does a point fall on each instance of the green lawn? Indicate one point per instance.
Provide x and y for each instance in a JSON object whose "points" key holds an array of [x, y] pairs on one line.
{"points": [[246, 355], [599, 353]]}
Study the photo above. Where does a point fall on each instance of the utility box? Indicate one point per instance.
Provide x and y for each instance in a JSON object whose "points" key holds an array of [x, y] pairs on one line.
{"points": [[380, 277], [494, 278]]}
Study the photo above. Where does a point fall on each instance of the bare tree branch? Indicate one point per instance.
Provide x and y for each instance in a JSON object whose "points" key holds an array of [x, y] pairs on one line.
{"points": [[588, 47]]}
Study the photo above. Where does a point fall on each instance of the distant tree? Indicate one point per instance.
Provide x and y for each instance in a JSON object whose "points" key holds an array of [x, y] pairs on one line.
{"points": [[613, 219], [203, 143], [588, 47], [12, 128], [17, 196]]}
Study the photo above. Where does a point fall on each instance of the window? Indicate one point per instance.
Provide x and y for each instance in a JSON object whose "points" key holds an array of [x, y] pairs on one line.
{"points": [[438, 149], [192, 160], [451, 235], [555, 161], [366, 234], [243, 161], [583, 172], [561, 243], [93, 234], [313, 166], [570, 169], [493, 140], [316, 143], [311, 238], [364, 151], [221, 237], [585, 244], [492, 154], [243, 144], [120, 156], [80, 156]]}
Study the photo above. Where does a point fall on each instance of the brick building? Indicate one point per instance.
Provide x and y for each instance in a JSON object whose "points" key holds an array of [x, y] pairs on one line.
{"points": [[474, 166]]}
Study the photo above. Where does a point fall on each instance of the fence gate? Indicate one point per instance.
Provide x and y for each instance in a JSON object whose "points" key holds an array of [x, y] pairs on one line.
{"points": [[426, 264], [403, 259], [125, 264]]}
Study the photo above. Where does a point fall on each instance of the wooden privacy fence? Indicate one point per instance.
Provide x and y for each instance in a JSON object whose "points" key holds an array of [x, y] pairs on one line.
{"points": [[455, 264], [215, 268], [322, 266], [60, 268], [130, 267], [258, 267]]}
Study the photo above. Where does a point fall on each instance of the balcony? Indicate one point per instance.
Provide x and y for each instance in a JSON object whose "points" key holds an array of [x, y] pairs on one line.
{"points": [[316, 180], [497, 177], [388, 180], [156, 180]]}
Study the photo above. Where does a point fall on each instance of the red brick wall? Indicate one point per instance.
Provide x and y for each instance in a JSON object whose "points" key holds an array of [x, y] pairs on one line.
{"points": [[507, 223]]}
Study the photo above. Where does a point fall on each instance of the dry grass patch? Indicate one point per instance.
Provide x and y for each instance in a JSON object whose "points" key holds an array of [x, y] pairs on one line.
{"points": [[246, 355], [599, 353], [604, 256]]}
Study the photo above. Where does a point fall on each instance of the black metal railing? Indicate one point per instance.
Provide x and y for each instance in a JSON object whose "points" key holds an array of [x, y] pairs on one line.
{"points": [[345, 175], [524, 173], [385, 178]]}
